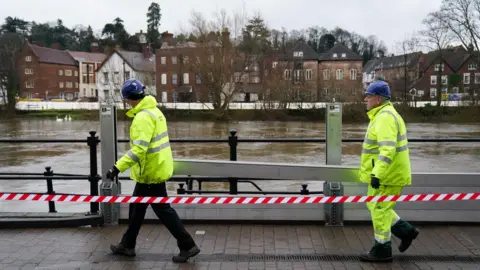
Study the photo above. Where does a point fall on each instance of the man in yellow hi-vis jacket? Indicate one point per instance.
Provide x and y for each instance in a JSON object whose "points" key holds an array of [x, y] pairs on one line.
{"points": [[385, 166], [151, 162]]}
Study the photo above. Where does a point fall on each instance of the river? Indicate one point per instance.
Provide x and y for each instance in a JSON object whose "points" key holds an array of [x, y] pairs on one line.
{"points": [[74, 158]]}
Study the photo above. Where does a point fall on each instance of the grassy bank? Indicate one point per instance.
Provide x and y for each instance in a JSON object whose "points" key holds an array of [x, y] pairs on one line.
{"points": [[351, 114]]}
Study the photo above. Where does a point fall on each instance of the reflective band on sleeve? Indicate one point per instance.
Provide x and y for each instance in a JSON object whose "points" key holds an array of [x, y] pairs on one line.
{"points": [[133, 156], [402, 148], [370, 151], [159, 148], [385, 159], [140, 142], [387, 143]]}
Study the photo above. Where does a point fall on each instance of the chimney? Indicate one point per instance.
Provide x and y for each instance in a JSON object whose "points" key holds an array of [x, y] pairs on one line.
{"points": [[167, 37], [94, 47], [144, 46]]}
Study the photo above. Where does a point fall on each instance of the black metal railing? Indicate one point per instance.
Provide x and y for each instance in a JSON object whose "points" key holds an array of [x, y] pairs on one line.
{"points": [[93, 177]]}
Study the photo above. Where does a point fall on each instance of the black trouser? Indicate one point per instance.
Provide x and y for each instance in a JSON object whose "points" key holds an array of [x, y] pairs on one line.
{"points": [[167, 215]]}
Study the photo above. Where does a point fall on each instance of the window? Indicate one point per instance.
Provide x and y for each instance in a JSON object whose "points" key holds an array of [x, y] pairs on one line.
{"points": [[76, 84], [455, 90], [211, 58], [477, 78], [28, 71], [472, 66], [185, 59], [287, 74], [198, 79], [186, 78], [28, 59], [105, 77], [174, 79], [433, 79], [335, 55], [90, 68], [164, 78], [308, 74], [174, 96], [127, 75], [444, 79], [69, 84], [433, 92], [438, 67], [90, 78], [326, 74], [344, 55], [174, 60], [353, 74], [29, 84], [444, 90], [296, 75], [339, 74], [60, 84], [298, 54], [60, 72], [61, 95], [75, 73], [255, 79], [274, 64], [236, 77], [466, 78], [68, 72], [163, 60]]}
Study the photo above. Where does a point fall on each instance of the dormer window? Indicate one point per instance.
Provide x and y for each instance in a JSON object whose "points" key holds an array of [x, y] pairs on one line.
{"points": [[298, 54], [335, 55], [344, 55]]}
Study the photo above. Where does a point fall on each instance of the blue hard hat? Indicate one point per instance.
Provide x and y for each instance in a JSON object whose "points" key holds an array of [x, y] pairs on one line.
{"points": [[133, 89], [379, 88]]}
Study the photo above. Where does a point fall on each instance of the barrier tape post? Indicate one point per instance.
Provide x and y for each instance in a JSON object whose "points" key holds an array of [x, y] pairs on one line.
{"points": [[239, 200]]}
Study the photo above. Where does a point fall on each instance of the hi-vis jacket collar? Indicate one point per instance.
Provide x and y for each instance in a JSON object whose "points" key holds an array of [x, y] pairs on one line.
{"points": [[148, 102], [373, 112]]}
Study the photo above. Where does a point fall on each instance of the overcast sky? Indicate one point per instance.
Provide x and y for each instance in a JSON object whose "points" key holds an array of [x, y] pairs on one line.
{"points": [[389, 20]]}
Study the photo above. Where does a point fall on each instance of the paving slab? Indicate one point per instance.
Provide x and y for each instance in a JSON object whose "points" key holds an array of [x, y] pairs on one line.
{"points": [[236, 247]]}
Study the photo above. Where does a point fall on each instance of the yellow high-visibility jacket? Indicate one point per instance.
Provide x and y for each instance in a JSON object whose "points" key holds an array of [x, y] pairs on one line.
{"points": [[386, 144], [150, 156]]}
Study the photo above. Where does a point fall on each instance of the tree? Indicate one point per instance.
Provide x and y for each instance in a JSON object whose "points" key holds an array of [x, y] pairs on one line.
{"points": [[10, 45], [153, 20], [408, 47], [256, 37], [461, 18], [217, 61], [437, 36]]}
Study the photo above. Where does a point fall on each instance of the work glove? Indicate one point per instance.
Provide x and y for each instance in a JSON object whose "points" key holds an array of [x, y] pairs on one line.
{"points": [[112, 173], [374, 182]]}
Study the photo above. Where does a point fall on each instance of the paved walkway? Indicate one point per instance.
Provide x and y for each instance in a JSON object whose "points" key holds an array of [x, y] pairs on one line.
{"points": [[236, 247]]}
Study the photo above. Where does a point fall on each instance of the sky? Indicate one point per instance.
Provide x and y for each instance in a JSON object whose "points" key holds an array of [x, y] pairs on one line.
{"points": [[390, 20]]}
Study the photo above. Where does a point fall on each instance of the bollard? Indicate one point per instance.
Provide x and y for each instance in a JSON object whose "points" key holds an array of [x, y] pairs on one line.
{"points": [[181, 190], [304, 190], [232, 142], [93, 178], [49, 172]]}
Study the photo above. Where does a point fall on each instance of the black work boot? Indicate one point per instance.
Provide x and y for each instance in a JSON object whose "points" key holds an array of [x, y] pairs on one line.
{"points": [[378, 253], [406, 233], [184, 255], [120, 249]]}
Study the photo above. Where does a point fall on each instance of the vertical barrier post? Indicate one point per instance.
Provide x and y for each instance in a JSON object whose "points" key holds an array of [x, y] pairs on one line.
{"points": [[333, 151], [108, 127], [93, 178], [232, 142], [51, 204]]}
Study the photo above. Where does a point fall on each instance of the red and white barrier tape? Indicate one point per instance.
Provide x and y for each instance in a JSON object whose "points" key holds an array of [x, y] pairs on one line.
{"points": [[242, 200]]}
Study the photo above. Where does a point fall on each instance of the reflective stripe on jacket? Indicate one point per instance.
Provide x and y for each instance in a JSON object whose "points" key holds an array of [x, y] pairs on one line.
{"points": [[150, 156], [386, 144]]}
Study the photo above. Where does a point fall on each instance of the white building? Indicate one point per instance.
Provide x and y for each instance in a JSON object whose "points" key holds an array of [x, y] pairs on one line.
{"points": [[120, 66], [87, 64]]}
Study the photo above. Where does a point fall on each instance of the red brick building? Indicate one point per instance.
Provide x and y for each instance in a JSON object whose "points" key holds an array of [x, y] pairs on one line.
{"points": [[47, 73]]}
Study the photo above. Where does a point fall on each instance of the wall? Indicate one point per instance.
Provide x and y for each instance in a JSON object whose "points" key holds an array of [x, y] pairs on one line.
{"points": [[88, 89], [42, 105], [116, 68], [342, 90]]}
